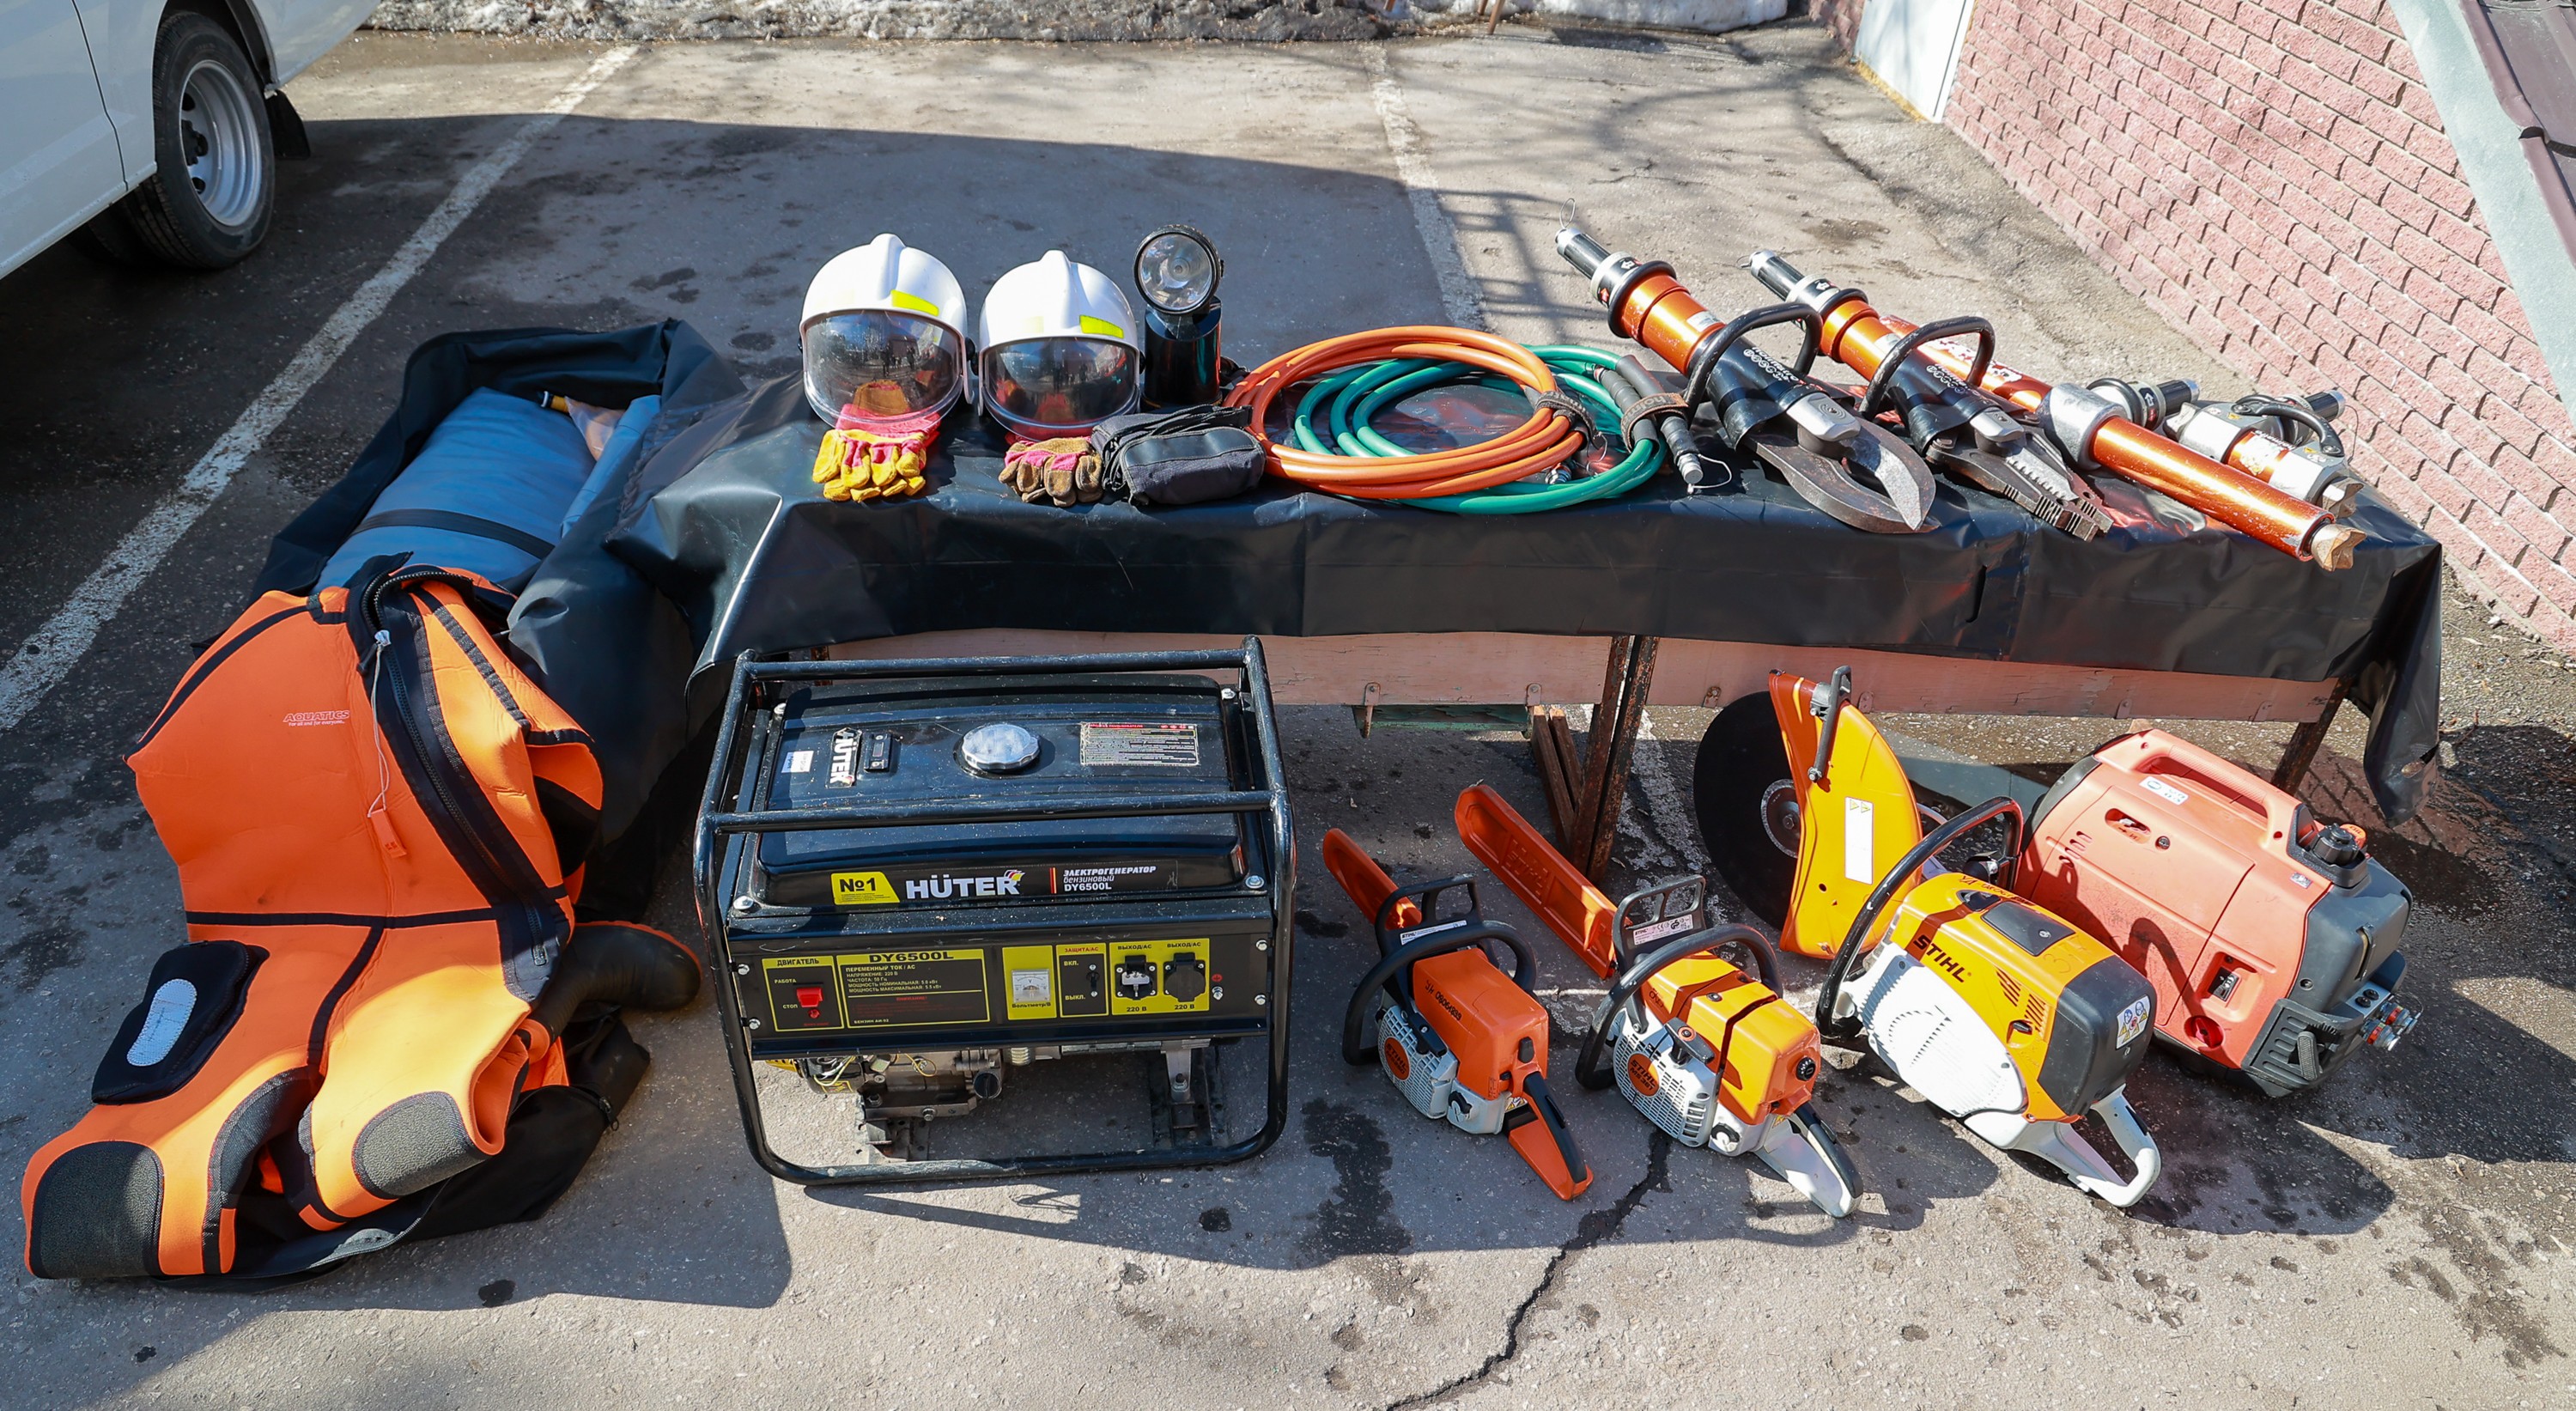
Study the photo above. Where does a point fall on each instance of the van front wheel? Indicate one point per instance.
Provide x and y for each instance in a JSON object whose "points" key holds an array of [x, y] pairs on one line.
{"points": [[208, 201]]}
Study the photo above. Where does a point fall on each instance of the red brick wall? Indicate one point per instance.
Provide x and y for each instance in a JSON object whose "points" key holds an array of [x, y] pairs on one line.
{"points": [[2273, 177], [1840, 16]]}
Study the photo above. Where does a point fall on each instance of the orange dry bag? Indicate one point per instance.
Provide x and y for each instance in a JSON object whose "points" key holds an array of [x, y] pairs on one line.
{"points": [[378, 821]]}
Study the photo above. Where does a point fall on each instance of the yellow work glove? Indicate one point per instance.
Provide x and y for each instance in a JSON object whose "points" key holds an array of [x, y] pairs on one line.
{"points": [[862, 465]]}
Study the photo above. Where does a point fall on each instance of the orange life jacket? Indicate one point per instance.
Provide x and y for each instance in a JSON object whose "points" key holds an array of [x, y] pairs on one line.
{"points": [[370, 807]]}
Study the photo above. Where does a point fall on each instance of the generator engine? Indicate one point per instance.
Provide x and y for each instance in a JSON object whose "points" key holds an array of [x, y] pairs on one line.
{"points": [[923, 876]]}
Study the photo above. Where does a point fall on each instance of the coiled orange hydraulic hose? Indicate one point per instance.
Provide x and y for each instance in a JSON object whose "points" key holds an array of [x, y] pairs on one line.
{"points": [[1541, 443]]}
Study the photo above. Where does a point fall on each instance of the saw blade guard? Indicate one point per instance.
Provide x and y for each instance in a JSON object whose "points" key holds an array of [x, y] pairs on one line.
{"points": [[1856, 809], [1534, 871]]}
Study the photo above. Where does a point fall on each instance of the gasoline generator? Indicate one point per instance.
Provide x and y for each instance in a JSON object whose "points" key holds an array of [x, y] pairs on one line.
{"points": [[921, 877]]}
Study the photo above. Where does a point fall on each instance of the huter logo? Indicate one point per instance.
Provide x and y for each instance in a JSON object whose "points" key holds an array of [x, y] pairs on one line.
{"points": [[318, 717], [861, 889], [949, 887]]}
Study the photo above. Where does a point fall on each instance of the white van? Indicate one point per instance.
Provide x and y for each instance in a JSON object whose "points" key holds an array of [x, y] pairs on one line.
{"points": [[152, 126]]}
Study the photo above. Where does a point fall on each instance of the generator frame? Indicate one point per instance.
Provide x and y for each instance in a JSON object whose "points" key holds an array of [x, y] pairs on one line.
{"points": [[719, 821]]}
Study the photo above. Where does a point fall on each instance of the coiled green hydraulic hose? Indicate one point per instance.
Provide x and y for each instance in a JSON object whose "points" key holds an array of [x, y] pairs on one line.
{"points": [[1334, 419]]}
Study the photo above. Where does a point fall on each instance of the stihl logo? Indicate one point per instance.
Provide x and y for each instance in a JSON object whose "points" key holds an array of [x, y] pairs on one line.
{"points": [[945, 888], [318, 717], [1942, 960]]}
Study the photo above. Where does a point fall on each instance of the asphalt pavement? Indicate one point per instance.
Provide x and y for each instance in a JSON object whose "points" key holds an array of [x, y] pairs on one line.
{"points": [[2398, 1238]]}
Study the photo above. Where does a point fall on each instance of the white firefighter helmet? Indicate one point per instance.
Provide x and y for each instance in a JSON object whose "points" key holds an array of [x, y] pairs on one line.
{"points": [[884, 334], [1060, 349]]}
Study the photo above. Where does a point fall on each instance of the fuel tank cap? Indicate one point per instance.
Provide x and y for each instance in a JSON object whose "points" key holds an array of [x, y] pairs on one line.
{"points": [[998, 748]]}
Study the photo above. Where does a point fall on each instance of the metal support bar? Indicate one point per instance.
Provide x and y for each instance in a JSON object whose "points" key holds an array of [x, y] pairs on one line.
{"points": [[2305, 741]]}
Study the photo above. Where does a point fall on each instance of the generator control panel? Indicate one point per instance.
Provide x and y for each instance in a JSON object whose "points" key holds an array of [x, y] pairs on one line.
{"points": [[976, 992]]}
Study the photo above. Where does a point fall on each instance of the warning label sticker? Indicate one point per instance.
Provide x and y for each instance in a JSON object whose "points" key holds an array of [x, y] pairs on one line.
{"points": [[1170, 743], [897, 989]]}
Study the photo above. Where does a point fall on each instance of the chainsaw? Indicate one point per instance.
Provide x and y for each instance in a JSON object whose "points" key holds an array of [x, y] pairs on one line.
{"points": [[2003, 1015], [1458, 1039], [1709, 1053], [2271, 939], [1851, 467], [1956, 424]]}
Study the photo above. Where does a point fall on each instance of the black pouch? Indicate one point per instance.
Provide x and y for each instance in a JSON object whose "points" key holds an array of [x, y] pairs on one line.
{"points": [[1178, 456], [195, 995]]}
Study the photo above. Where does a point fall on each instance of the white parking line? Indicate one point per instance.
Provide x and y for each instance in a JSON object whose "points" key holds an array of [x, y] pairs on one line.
{"points": [[1422, 189], [43, 659]]}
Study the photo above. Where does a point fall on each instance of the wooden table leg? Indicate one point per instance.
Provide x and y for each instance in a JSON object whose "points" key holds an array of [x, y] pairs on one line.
{"points": [[2304, 742], [1586, 789]]}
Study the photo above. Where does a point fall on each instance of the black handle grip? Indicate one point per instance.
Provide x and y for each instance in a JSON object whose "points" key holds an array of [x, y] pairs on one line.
{"points": [[1881, 381], [1703, 359]]}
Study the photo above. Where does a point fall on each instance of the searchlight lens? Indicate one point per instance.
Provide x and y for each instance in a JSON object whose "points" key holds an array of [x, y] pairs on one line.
{"points": [[1177, 269]]}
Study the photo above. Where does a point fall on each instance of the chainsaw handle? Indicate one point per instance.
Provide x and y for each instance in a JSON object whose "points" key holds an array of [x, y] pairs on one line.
{"points": [[1885, 378], [1901, 875], [1704, 358], [1589, 1070], [1424, 898], [1356, 1047], [1828, 708]]}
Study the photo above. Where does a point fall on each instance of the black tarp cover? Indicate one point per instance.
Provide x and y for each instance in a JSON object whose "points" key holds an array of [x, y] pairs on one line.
{"points": [[726, 521]]}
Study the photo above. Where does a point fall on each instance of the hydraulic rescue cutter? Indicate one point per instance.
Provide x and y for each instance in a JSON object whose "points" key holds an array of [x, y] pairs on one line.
{"points": [[1460, 1040], [2091, 429], [2005, 1016], [1851, 467], [1955, 424], [1709, 1053]]}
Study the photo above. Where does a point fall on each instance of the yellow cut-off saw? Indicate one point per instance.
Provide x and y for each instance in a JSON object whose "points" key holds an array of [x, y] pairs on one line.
{"points": [[2001, 1014]]}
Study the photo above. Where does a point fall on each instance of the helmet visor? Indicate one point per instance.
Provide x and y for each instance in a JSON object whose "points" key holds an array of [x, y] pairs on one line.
{"points": [[876, 363], [1059, 386]]}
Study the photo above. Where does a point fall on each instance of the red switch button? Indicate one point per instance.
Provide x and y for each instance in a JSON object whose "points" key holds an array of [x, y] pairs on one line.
{"points": [[811, 997]]}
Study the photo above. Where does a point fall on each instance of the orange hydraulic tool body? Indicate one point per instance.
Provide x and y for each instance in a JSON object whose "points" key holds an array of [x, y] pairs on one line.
{"points": [[1460, 1041], [2271, 940], [1849, 466], [2287, 443], [2086, 425], [1710, 1054]]}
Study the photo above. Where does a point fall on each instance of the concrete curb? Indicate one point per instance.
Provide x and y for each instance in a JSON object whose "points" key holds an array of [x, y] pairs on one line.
{"points": [[1267, 21]]}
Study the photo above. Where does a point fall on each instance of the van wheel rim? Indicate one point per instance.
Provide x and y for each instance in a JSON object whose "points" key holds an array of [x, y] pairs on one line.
{"points": [[219, 141]]}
